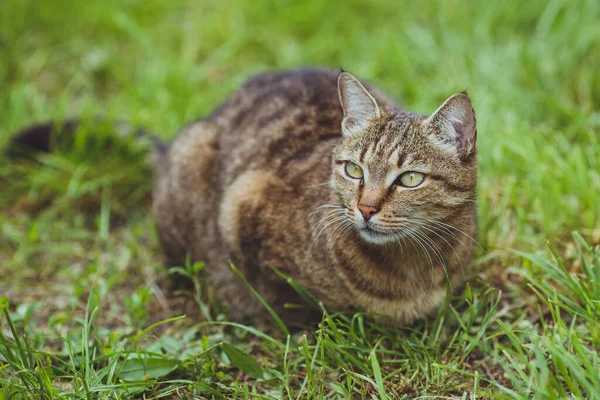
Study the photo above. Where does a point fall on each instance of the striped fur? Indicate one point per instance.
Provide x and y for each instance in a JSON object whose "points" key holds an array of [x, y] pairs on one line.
{"points": [[261, 183]]}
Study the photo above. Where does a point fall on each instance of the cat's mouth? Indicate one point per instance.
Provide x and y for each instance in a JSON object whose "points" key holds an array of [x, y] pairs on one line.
{"points": [[373, 235]]}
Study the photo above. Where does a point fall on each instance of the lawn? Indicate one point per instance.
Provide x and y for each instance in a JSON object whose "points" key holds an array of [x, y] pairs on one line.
{"points": [[85, 310]]}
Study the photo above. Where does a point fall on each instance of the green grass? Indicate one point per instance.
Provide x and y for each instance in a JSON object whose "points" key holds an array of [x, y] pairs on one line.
{"points": [[87, 314]]}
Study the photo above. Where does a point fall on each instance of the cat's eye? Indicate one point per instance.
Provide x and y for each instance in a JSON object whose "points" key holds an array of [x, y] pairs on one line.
{"points": [[410, 179], [353, 170]]}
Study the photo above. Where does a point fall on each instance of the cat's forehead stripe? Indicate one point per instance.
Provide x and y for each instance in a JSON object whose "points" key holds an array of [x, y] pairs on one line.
{"points": [[380, 146], [363, 153], [396, 145], [404, 159], [367, 152], [401, 158]]}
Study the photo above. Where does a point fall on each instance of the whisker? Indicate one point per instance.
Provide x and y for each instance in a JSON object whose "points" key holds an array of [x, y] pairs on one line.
{"points": [[413, 238], [327, 222], [330, 214], [430, 260], [346, 227], [325, 206], [327, 225], [445, 227], [441, 228], [458, 230], [336, 229], [452, 247], [439, 254]]}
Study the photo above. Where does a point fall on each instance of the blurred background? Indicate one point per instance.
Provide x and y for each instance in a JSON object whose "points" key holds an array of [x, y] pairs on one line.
{"points": [[530, 67], [76, 230]]}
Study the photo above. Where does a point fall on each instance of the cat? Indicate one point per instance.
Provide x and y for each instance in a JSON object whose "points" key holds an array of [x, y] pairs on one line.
{"points": [[332, 183], [329, 181]]}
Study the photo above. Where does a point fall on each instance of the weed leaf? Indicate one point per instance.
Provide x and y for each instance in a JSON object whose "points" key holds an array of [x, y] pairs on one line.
{"points": [[137, 369], [243, 361]]}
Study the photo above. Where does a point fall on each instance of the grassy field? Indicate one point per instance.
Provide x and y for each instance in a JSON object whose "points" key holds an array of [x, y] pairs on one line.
{"points": [[85, 313]]}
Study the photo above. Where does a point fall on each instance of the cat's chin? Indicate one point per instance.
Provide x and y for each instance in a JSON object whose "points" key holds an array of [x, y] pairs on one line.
{"points": [[376, 237]]}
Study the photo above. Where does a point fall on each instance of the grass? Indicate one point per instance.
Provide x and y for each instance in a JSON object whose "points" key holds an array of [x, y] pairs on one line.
{"points": [[85, 312]]}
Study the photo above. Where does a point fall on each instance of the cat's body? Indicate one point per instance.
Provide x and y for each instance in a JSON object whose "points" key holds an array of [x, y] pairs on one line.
{"points": [[261, 183]]}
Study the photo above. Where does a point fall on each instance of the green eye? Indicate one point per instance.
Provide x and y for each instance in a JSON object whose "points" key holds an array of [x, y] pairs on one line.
{"points": [[410, 179], [353, 170]]}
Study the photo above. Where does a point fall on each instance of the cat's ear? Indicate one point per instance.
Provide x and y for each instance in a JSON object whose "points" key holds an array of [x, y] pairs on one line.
{"points": [[454, 125], [359, 106]]}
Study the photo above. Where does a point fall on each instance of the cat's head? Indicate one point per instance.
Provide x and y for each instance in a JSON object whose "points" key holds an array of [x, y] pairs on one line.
{"points": [[397, 173]]}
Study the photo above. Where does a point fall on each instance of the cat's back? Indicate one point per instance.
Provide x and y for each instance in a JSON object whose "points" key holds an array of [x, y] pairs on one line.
{"points": [[279, 121], [272, 97]]}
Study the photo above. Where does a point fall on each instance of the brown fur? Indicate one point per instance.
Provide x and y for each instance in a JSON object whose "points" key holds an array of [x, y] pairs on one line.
{"points": [[245, 185]]}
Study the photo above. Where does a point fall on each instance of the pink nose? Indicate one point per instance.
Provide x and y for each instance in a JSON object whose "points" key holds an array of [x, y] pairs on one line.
{"points": [[367, 211]]}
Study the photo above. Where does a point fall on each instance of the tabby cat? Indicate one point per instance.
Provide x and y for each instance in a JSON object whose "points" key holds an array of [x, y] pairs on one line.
{"points": [[332, 183]]}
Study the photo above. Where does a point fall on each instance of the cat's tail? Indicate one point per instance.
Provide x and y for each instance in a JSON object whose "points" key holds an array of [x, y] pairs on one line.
{"points": [[41, 137]]}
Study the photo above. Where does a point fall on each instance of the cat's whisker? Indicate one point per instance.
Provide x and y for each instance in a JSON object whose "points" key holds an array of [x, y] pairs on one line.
{"points": [[424, 226], [428, 243], [402, 243], [330, 214], [346, 227], [327, 225], [413, 238], [431, 244], [437, 252], [441, 229], [434, 224], [325, 206], [456, 229], [342, 222], [328, 211], [336, 229]]}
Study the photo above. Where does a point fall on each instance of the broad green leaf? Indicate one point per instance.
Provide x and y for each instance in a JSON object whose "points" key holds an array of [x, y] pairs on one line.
{"points": [[137, 369], [243, 361]]}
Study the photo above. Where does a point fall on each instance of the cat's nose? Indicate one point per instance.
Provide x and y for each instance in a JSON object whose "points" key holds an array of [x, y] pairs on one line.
{"points": [[367, 211]]}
